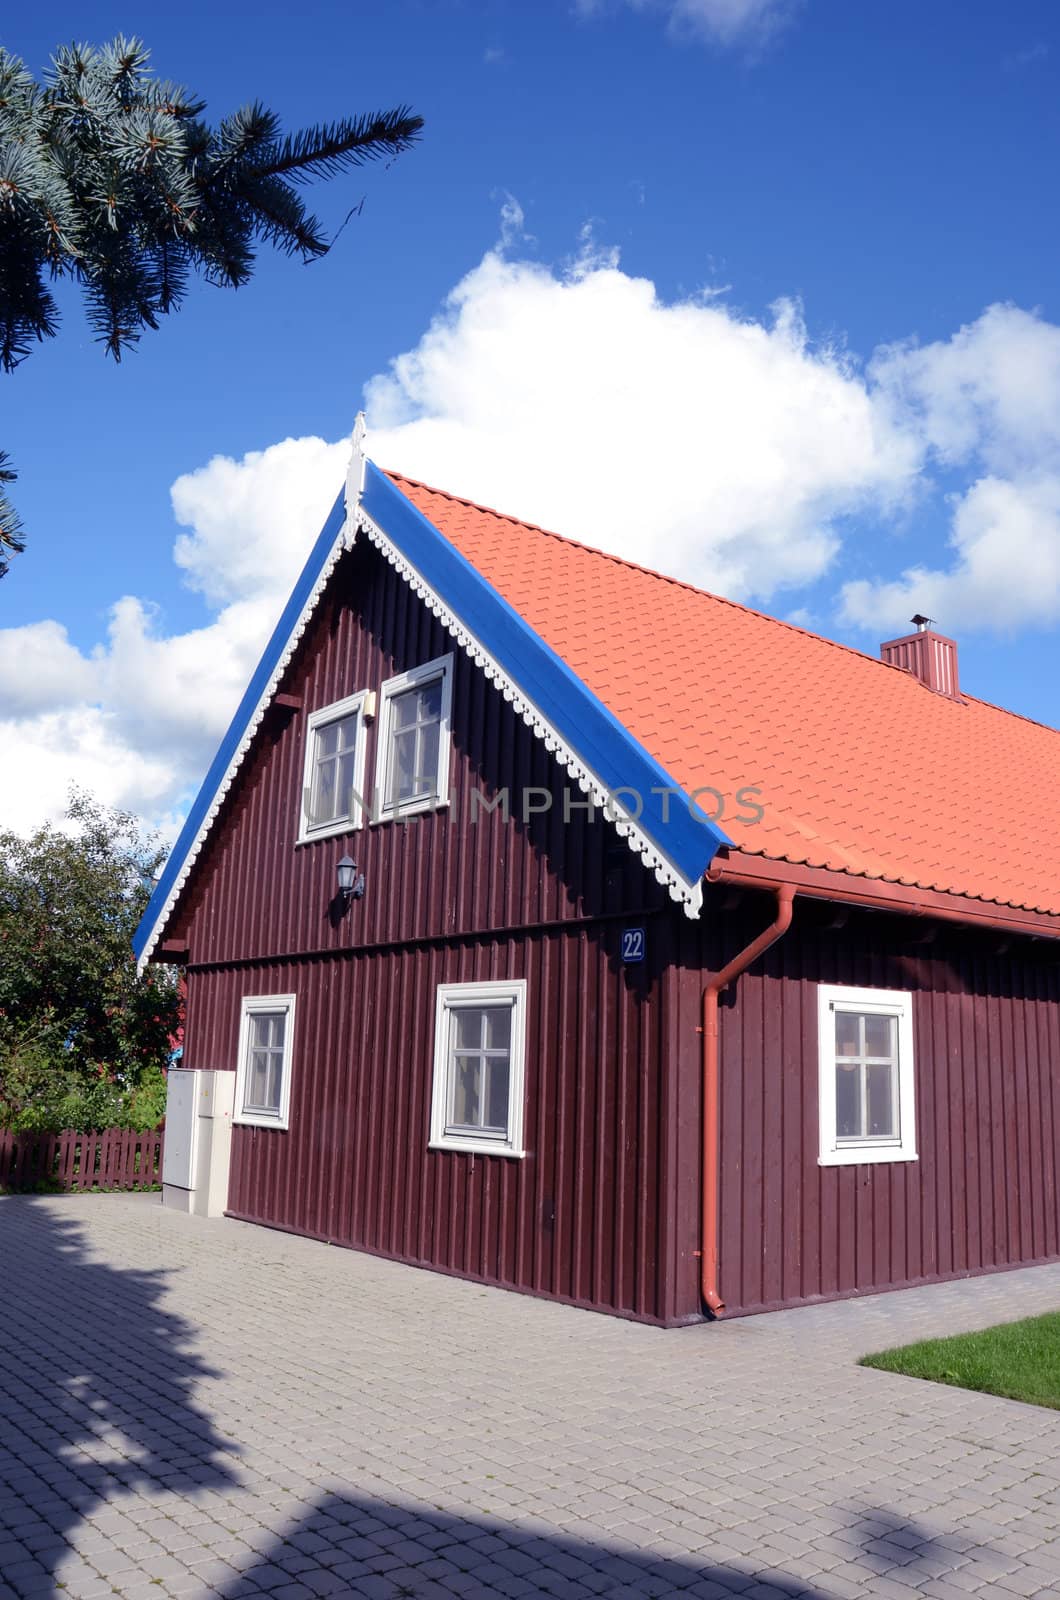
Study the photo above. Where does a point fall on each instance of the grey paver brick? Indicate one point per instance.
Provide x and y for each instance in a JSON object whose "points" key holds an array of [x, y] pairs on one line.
{"points": [[551, 1452]]}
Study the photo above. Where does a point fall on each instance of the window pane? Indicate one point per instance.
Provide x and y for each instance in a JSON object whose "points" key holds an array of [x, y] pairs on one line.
{"points": [[430, 701], [467, 1073], [275, 1075], [499, 1073], [262, 1032], [345, 790], [333, 771], [257, 1078], [347, 732], [847, 1033], [406, 709], [428, 761], [882, 1119], [881, 1036], [499, 1028], [324, 793], [467, 1027], [847, 1101], [403, 784]]}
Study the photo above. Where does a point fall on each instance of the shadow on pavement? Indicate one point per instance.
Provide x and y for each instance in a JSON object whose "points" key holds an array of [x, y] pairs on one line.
{"points": [[96, 1386], [355, 1545]]}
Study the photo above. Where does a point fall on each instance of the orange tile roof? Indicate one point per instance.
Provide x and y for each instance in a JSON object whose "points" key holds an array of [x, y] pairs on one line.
{"points": [[860, 768]]}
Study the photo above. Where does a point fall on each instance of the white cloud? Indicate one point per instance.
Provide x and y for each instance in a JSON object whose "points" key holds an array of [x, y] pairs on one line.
{"points": [[137, 720], [985, 402], [39, 667], [241, 515], [82, 744], [990, 393], [716, 447], [725, 22], [1006, 573]]}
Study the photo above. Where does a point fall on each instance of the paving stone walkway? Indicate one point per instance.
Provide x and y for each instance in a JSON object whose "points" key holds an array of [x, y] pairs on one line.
{"points": [[196, 1409]]}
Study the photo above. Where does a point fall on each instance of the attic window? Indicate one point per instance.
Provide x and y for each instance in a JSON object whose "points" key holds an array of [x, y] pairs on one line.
{"points": [[333, 776], [865, 1044], [413, 772]]}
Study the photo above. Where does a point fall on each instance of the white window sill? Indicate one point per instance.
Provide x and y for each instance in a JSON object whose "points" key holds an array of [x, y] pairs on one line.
{"points": [[476, 1147], [410, 808], [250, 1119], [864, 1154], [330, 830]]}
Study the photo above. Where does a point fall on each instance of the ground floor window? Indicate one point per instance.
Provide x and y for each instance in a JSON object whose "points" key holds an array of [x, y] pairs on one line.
{"points": [[479, 1067], [867, 1091], [263, 1071]]}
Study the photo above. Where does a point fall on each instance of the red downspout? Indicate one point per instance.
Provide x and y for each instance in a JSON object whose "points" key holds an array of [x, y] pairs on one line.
{"points": [[785, 894]]}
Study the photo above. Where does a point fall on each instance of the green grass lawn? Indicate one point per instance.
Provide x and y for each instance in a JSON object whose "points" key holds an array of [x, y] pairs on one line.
{"points": [[1020, 1360]]}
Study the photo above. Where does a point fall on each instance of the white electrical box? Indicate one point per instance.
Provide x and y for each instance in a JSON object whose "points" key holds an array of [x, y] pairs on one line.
{"points": [[198, 1140], [182, 1128]]}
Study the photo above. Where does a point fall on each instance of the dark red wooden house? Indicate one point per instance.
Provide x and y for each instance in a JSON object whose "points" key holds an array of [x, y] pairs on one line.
{"points": [[569, 929]]}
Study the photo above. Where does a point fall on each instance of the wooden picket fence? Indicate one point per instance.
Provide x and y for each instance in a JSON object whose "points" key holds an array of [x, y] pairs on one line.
{"points": [[116, 1158]]}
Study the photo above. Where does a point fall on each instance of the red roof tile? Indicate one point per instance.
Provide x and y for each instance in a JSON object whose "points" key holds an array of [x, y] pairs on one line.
{"points": [[859, 767]]}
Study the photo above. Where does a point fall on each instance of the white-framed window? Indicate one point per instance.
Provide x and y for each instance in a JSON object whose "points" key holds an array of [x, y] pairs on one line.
{"points": [[478, 1097], [333, 773], [412, 764], [867, 1088], [263, 1071]]}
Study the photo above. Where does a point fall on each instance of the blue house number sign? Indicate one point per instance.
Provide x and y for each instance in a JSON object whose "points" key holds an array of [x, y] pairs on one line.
{"points": [[632, 944]]}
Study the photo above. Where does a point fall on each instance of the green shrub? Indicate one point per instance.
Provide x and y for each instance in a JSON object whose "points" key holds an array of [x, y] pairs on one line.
{"points": [[84, 1037], [38, 1095]]}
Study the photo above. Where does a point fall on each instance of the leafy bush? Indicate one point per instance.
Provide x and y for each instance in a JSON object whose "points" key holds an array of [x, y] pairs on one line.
{"points": [[84, 1038], [36, 1096]]}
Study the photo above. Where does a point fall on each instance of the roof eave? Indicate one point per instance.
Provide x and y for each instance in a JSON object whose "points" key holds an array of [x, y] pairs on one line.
{"points": [[736, 867]]}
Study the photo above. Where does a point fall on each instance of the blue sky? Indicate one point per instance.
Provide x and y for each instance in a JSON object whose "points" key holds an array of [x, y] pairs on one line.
{"points": [[884, 171]]}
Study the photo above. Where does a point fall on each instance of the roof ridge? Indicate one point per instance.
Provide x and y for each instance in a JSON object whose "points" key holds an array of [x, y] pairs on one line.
{"points": [[680, 583]]}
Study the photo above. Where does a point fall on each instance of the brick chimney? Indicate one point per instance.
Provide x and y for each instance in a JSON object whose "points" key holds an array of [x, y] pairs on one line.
{"points": [[928, 655]]}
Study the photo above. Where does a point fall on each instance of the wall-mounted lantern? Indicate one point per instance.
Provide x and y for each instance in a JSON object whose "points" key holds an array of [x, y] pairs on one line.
{"points": [[351, 882]]}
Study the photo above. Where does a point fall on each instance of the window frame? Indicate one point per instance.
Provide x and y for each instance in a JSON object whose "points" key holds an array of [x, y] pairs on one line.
{"points": [[353, 703], [251, 1005], [896, 1003], [452, 997], [416, 677]]}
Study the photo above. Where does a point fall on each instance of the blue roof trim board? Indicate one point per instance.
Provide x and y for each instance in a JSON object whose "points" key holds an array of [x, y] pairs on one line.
{"points": [[584, 723], [259, 683], [593, 734]]}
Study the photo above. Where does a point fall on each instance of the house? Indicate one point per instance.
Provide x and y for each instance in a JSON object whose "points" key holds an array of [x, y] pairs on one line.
{"points": [[570, 929]]}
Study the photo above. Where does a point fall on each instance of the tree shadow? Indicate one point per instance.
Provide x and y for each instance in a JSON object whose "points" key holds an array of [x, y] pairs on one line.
{"points": [[355, 1544], [97, 1386]]}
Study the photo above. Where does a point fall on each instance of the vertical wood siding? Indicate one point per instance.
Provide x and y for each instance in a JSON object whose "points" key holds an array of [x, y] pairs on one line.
{"points": [[984, 1193], [577, 1218], [256, 894], [447, 901]]}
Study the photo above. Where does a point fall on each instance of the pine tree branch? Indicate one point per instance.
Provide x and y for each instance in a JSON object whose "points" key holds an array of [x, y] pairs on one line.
{"points": [[334, 147], [109, 177], [11, 541]]}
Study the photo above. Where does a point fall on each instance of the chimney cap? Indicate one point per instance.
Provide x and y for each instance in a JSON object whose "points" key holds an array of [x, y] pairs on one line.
{"points": [[920, 621], [928, 656]]}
